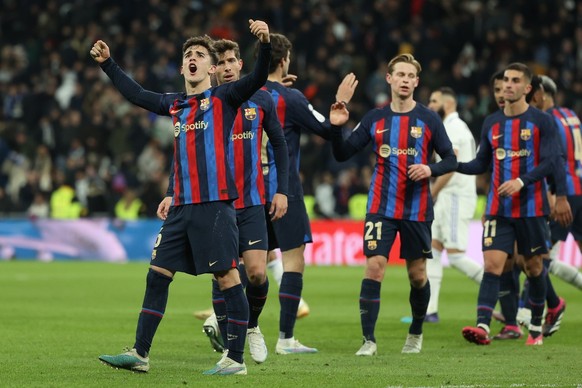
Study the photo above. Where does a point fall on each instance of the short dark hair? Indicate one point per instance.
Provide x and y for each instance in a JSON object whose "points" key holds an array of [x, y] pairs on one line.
{"points": [[497, 76], [549, 85], [204, 41], [518, 66], [223, 45], [447, 91], [280, 47], [536, 85]]}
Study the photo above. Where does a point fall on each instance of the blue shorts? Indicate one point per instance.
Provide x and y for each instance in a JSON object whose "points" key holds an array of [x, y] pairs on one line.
{"points": [[559, 233], [198, 238], [291, 231], [530, 234], [252, 229], [380, 233]]}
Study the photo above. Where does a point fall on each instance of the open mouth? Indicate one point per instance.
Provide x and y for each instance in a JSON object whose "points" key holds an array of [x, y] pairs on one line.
{"points": [[192, 68], [228, 77]]}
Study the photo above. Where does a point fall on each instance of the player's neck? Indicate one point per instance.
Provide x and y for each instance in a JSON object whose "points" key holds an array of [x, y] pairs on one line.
{"points": [[402, 105], [197, 88], [275, 77], [515, 108]]}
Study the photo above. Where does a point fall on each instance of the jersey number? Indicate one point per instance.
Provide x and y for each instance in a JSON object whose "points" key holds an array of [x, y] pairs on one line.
{"points": [[370, 230], [490, 228]]}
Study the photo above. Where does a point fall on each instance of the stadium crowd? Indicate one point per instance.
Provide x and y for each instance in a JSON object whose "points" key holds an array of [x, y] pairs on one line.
{"points": [[63, 125]]}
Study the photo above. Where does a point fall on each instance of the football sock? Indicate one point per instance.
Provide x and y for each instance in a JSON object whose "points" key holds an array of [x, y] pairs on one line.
{"points": [[219, 306], [537, 297], [524, 299], [508, 299], [466, 265], [488, 292], [237, 311], [552, 299], [152, 311], [244, 279], [369, 307], [256, 296], [566, 272], [434, 271], [289, 296], [418, 298]]}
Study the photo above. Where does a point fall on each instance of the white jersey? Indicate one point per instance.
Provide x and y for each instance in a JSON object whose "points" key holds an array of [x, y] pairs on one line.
{"points": [[464, 145]]}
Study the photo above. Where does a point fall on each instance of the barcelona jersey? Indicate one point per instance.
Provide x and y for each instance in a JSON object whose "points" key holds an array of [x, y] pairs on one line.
{"points": [[400, 140], [295, 114], [523, 146], [569, 132]]}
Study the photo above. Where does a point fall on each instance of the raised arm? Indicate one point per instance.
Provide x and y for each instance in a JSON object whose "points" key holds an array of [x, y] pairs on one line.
{"points": [[134, 92], [344, 149]]}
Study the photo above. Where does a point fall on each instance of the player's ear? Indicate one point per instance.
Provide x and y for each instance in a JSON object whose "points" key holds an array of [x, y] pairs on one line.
{"points": [[212, 69], [240, 64], [388, 78], [182, 70]]}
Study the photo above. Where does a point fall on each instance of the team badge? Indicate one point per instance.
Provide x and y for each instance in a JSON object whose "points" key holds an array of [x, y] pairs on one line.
{"points": [[500, 154], [416, 132], [177, 129], [250, 113], [525, 134], [265, 170], [372, 245], [487, 241], [154, 254], [384, 150], [205, 104]]}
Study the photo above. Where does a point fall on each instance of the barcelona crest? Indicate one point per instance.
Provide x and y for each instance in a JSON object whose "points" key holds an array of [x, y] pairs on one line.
{"points": [[487, 241], [372, 245], [416, 132], [525, 134], [250, 113], [205, 103]]}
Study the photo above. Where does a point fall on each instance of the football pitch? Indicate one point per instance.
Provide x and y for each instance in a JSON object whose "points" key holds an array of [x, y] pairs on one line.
{"points": [[57, 318]]}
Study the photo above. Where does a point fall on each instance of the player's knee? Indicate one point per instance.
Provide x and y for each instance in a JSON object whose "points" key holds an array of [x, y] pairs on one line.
{"points": [[256, 277]]}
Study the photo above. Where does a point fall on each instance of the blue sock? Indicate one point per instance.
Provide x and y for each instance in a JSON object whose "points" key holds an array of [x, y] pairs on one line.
{"points": [[152, 311], [537, 298], [369, 307], [487, 297], [244, 279], [256, 296], [508, 299], [552, 299], [418, 298], [289, 297], [219, 306], [237, 311]]}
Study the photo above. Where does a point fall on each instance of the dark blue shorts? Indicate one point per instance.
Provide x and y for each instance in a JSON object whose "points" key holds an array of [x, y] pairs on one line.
{"points": [[380, 233], [252, 229], [291, 231], [559, 233], [198, 238], [530, 233]]}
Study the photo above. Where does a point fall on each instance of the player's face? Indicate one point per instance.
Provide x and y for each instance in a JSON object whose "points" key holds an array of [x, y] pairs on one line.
{"points": [[435, 103], [228, 67], [515, 86], [403, 80], [498, 93], [197, 64]]}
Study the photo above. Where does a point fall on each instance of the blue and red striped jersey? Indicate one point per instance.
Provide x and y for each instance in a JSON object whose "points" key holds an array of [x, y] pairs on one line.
{"points": [[523, 146], [202, 128], [246, 145], [295, 114], [569, 132], [399, 140]]}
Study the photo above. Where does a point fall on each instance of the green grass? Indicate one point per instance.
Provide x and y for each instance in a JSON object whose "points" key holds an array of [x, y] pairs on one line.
{"points": [[57, 318]]}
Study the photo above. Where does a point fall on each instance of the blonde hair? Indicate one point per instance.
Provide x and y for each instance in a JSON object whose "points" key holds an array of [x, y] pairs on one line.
{"points": [[404, 58]]}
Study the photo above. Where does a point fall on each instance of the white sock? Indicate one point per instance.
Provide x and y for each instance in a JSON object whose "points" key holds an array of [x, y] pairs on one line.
{"points": [[276, 268], [567, 273], [434, 271], [463, 263]]}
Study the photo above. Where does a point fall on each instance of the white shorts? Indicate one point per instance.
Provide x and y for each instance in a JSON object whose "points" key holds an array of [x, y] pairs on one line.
{"points": [[452, 215]]}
